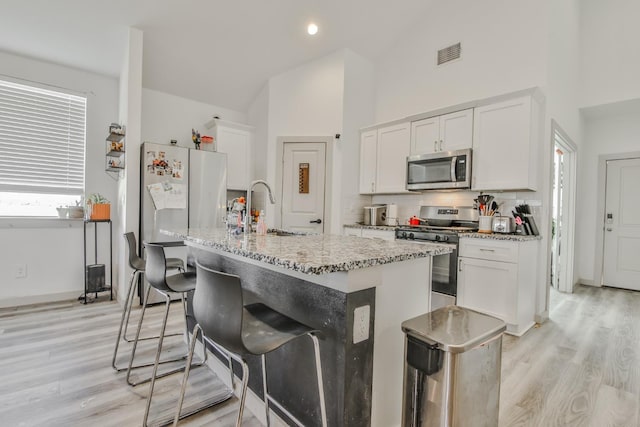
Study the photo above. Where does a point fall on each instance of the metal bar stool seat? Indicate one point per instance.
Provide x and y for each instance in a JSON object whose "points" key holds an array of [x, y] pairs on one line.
{"points": [[138, 265], [255, 329]]}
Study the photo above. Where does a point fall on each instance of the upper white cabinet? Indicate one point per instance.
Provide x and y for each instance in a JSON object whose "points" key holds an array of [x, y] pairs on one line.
{"points": [[449, 132], [368, 161], [505, 137], [234, 139], [383, 159]]}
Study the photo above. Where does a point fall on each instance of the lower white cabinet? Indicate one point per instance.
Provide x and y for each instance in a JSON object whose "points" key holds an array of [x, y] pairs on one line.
{"points": [[379, 234], [370, 233], [350, 231], [498, 277]]}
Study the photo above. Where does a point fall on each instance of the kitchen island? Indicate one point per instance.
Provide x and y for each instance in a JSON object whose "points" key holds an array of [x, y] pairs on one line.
{"points": [[355, 291]]}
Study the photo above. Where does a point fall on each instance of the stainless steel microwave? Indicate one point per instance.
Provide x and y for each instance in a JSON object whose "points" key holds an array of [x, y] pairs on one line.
{"points": [[437, 171]]}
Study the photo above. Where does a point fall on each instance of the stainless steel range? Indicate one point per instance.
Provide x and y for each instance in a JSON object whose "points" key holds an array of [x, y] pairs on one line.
{"points": [[442, 224]]}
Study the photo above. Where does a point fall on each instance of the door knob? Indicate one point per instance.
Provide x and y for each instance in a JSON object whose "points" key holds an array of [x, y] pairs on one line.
{"points": [[609, 229], [317, 221]]}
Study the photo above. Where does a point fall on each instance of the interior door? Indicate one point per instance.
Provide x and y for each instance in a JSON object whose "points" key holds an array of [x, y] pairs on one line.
{"points": [[622, 225], [303, 182]]}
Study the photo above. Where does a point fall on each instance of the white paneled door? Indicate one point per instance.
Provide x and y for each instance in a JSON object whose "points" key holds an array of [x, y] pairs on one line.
{"points": [[303, 182], [622, 225]]}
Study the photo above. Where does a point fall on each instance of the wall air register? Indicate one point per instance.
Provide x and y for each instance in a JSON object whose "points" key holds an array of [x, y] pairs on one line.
{"points": [[449, 53]]}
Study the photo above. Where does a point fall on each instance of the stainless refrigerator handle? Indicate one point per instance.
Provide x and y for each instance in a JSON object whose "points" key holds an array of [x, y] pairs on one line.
{"points": [[454, 160]]}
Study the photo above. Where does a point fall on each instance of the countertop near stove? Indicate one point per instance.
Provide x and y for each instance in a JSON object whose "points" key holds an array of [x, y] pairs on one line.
{"points": [[310, 254], [498, 236]]}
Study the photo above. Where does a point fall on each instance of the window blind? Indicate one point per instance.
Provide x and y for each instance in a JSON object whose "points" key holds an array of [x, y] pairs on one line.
{"points": [[42, 140]]}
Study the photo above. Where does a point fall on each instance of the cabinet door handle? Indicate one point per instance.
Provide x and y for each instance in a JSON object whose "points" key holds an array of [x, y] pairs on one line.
{"points": [[435, 145], [459, 264], [440, 145], [373, 187], [487, 250]]}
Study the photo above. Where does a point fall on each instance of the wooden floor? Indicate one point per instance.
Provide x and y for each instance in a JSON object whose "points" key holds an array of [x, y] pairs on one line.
{"points": [[581, 368], [55, 370]]}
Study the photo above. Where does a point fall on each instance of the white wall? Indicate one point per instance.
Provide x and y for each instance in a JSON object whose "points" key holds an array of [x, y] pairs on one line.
{"points": [[359, 101], [166, 117], [305, 101], [129, 183], [503, 50], [610, 54], [605, 135], [52, 249], [258, 117]]}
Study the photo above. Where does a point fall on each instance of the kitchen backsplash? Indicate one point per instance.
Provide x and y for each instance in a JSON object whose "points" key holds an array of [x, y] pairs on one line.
{"points": [[409, 204]]}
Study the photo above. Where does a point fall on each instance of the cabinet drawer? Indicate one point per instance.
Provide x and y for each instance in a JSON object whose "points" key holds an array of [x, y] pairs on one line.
{"points": [[492, 250], [379, 234]]}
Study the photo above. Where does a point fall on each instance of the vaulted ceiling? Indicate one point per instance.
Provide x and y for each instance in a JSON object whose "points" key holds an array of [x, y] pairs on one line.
{"points": [[214, 51]]}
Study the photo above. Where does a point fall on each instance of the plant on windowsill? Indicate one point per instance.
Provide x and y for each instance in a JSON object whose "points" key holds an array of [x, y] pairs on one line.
{"points": [[98, 207]]}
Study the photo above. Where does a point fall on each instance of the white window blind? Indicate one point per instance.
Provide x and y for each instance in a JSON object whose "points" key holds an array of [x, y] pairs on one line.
{"points": [[42, 140]]}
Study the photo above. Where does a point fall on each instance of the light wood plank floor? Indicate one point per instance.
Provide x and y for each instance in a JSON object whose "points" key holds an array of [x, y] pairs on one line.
{"points": [[581, 368], [55, 369]]}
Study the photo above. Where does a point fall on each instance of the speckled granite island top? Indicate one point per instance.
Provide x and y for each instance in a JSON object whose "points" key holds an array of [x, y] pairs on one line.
{"points": [[311, 254]]}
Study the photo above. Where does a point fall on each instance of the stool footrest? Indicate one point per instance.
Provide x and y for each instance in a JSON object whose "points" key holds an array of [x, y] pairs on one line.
{"points": [[188, 410]]}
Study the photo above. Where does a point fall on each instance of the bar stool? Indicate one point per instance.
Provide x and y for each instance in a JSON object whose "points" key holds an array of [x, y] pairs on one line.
{"points": [[254, 329], [137, 264], [156, 273]]}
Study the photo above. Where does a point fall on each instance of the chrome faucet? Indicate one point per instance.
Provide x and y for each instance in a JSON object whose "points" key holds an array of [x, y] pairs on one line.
{"points": [[247, 218]]}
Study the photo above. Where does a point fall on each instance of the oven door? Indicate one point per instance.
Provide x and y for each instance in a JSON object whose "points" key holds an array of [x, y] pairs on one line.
{"points": [[444, 273], [444, 278]]}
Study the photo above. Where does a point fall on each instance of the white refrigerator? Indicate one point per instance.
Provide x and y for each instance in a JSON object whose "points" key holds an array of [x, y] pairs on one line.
{"points": [[180, 188]]}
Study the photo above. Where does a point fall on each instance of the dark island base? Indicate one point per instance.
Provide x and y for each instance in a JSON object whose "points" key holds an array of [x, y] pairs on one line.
{"points": [[347, 367]]}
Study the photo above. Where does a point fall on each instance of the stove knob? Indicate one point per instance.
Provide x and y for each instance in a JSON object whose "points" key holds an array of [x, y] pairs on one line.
{"points": [[404, 234], [411, 236], [445, 238], [437, 238]]}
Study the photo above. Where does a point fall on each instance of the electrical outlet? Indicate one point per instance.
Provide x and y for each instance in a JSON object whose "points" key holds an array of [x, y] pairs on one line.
{"points": [[361, 323], [21, 271]]}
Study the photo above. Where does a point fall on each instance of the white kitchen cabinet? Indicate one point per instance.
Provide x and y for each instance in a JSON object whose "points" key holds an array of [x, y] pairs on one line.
{"points": [[498, 277], [505, 145], [370, 233], [449, 132], [383, 159], [379, 234], [368, 161], [350, 231], [234, 139]]}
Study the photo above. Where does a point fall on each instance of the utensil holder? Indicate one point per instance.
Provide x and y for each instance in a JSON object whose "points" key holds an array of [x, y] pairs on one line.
{"points": [[484, 224]]}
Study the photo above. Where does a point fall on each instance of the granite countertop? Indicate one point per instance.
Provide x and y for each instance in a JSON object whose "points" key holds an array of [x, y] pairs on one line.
{"points": [[498, 236], [311, 254], [372, 227]]}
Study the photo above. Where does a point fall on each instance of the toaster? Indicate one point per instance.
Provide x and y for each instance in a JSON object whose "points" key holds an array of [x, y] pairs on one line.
{"points": [[502, 224], [375, 215]]}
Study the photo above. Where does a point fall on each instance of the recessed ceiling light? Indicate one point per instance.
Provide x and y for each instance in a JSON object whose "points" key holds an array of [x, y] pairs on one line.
{"points": [[312, 29]]}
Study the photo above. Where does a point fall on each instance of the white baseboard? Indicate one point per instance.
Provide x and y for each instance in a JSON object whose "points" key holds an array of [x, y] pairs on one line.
{"points": [[587, 283], [253, 403], [38, 299]]}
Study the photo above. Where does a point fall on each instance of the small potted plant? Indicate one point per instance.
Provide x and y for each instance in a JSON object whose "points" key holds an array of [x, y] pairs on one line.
{"points": [[98, 207]]}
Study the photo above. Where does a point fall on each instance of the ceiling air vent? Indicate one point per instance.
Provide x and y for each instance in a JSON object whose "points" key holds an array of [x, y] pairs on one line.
{"points": [[449, 53]]}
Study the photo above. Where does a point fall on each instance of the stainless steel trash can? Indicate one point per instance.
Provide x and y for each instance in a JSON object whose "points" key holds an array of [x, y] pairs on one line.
{"points": [[452, 369]]}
